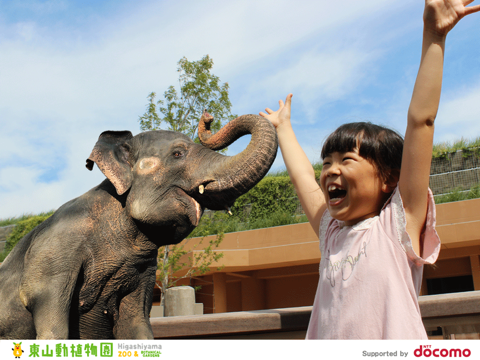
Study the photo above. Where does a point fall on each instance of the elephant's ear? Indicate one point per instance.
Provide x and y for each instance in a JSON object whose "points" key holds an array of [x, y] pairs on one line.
{"points": [[112, 155]]}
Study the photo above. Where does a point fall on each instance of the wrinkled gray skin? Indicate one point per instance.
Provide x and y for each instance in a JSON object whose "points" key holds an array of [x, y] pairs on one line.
{"points": [[88, 271]]}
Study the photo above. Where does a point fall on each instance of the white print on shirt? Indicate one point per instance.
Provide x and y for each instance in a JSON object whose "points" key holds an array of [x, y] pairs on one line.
{"points": [[346, 265]]}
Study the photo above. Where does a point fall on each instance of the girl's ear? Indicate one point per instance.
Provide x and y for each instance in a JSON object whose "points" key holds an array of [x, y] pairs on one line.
{"points": [[391, 181]]}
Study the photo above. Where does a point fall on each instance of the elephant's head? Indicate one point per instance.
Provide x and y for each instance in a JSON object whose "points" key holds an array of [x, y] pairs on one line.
{"points": [[168, 179]]}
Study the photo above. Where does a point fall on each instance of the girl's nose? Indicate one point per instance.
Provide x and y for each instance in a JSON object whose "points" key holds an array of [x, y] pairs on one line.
{"points": [[333, 169]]}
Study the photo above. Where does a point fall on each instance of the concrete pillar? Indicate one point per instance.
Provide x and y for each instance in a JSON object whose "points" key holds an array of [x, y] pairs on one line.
{"points": [[219, 292], [253, 294], [475, 264], [180, 301]]}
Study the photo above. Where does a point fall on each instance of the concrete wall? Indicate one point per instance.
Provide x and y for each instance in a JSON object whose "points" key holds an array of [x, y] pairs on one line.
{"points": [[457, 171]]}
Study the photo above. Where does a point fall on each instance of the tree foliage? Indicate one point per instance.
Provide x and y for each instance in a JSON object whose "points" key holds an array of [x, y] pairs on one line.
{"points": [[181, 110], [173, 258]]}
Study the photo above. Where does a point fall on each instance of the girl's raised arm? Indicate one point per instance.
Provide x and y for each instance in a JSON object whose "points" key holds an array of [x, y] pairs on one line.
{"points": [[298, 166], [440, 16]]}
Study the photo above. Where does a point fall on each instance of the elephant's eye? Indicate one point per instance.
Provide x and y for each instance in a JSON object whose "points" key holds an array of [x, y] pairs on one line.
{"points": [[177, 154]]}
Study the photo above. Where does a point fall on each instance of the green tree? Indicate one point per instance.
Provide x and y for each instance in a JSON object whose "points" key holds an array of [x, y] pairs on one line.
{"points": [[180, 111]]}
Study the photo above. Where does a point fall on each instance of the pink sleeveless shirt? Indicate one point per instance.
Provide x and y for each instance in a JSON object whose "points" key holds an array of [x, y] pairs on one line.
{"points": [[370, 276]]}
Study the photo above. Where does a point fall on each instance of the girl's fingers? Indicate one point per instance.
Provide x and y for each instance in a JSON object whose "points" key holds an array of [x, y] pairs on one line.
{"points": [[281, 104], [472, 9], [288, 101]]}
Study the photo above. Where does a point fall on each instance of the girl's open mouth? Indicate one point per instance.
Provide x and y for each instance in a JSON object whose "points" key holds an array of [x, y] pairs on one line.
{"points": [[336, 194]]}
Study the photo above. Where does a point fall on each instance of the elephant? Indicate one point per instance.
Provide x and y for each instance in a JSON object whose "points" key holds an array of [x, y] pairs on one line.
{"points": [[89, 270]]}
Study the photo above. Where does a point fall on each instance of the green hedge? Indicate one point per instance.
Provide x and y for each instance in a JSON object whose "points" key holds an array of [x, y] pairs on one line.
{"points": [[22, 228], [269, 196]]}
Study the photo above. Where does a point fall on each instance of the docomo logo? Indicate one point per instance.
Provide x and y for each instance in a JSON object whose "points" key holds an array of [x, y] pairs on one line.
{"points": [[427, 352]]}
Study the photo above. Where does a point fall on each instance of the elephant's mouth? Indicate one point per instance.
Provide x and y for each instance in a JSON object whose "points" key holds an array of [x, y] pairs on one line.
{"points": [[202, 197], [206, 194], [213, 194], [195, 210]]}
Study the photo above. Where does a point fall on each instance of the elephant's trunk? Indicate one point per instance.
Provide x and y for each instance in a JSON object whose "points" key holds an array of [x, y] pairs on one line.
{"points": [[235, 175]]}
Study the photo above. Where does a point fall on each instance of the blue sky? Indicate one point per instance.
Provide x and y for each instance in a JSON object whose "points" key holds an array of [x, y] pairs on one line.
{"points": [[72, 69]]}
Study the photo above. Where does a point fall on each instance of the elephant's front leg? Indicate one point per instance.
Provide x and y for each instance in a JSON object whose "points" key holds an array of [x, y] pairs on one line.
{"points": [[48, 299], [133, 314]]}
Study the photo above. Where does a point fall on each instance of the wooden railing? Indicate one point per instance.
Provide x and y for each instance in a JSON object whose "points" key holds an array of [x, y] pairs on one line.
{"points": [[457, 315]]}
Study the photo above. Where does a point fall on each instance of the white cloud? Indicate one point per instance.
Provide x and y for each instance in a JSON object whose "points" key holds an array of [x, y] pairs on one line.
{"points": [[26, 30], [319, 78], [459, 114]]}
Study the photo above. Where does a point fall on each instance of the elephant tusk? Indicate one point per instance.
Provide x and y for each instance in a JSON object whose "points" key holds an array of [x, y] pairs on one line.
{"points": [[198, 208], [229, 211], [201, 189]]}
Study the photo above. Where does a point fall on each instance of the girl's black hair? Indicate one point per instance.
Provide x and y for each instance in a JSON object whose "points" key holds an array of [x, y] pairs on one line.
{"points": [[381, 146]]}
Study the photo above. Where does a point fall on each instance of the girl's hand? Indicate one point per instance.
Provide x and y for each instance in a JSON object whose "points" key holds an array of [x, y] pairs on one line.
{"points": [[282, 115], [440, 16]]}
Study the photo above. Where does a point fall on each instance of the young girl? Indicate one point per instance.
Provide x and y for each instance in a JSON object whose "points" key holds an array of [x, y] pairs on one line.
{"points": [[376, 224]]}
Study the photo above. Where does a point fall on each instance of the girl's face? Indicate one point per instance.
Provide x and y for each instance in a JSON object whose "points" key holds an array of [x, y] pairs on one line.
{"points": [[352, 188]]}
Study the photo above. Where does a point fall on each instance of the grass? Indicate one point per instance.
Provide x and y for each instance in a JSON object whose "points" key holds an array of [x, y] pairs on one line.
{"points": [[15, 220], [459, 195], [441, 150]]}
